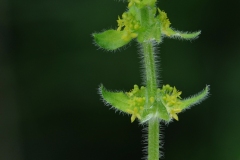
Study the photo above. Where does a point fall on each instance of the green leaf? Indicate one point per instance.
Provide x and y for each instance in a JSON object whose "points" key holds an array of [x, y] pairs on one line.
{"points": [[181, 35], [196, 99], [189, 36], [162, 111], [117, 99], [132, 102], [111, 39]]}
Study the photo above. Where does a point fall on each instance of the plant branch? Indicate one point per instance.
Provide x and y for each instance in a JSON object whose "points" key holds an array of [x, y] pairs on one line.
{"points": [[151, 83], [153, 139]]}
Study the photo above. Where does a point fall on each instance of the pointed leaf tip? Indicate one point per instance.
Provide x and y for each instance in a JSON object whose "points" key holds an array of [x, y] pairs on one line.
{"points": [[181, 35], [196, 99], [189, 36]]}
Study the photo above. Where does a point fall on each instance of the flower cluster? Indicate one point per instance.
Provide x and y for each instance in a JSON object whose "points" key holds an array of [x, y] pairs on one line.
{"points": [[166, 100], [143, 21], [129, 24]]}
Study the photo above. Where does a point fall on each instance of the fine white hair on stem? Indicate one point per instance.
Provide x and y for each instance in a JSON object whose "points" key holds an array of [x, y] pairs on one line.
{"points": [[145, 140], [161, 138], [156, 60], [156, 48]]}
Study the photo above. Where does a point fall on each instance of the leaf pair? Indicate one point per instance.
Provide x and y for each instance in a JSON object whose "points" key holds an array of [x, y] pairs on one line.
{"points": [[165, 105], [142, 23]]}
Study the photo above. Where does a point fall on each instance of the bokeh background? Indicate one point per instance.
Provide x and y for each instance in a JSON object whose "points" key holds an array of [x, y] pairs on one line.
{"points": [[50, 71]]}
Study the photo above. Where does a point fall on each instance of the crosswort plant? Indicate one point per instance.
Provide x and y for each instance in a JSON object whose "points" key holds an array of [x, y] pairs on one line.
{"points": [[152, 103]]}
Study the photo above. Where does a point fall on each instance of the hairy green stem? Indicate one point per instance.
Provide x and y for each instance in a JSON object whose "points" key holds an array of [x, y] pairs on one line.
{"points": [[150, 69], [151, 83], [153, 139]]}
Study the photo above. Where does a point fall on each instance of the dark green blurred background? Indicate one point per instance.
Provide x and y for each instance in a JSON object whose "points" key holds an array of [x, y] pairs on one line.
{"points": [[50, 71]]}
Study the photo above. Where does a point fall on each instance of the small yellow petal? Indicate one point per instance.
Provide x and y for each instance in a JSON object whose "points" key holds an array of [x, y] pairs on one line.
{"points": [[133, 118], [134, 35], [174, 115], [176, 110], [138, 116]]}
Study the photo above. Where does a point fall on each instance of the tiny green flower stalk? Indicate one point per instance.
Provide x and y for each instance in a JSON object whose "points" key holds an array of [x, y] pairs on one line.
{"points": [[152, 103]]}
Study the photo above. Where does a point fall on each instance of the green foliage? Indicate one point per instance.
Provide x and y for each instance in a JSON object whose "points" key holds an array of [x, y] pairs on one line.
{"points": [[167, 102], [110, 39], [147, 24], [136, 23]]}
